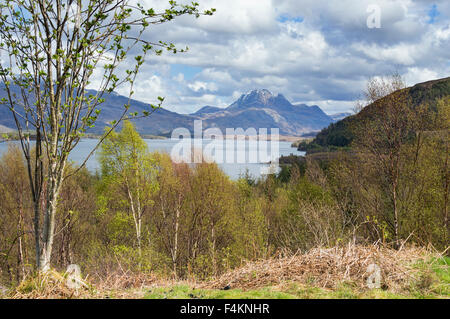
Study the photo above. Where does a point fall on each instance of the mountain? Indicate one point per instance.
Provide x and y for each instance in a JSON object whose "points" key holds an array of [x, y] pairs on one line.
{"points": [[160, 122], [4, 129], [257, 108], [262, 109], [339, 134], [207, 109], [340, 116]]}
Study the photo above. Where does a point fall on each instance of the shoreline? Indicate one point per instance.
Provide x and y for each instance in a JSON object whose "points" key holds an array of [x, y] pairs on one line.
{"points": [[282, 138]]}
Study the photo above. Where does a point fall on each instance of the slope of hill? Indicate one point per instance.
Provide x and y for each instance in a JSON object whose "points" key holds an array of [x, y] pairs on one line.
{"points": [[207, 109], [258, 109], [339, 134]]}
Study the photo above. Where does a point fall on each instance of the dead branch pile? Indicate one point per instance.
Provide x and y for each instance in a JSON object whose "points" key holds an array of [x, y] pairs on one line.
{"points": [[124, 280], [327, 268]]}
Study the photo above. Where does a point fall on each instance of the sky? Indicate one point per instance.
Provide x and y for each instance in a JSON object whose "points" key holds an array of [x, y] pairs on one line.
{"points": [[311, 51]]}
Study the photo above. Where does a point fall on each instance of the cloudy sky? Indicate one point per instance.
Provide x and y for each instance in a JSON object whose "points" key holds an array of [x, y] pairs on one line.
{"points": [[312, 51]]}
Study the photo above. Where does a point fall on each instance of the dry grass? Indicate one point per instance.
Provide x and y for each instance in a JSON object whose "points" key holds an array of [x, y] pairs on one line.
{"points": [[125, 284], [118, 285], [320, 267], [328, 268], [48, 285], [124, 280]]}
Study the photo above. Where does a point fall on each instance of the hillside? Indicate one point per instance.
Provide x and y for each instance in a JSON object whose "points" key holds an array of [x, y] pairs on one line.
{"points": [[258, 109], [339, 134]]}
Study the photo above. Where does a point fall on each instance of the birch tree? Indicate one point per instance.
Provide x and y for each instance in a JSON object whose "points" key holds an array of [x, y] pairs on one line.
{"points": [[169, 214], [50, 50], [129, 174], [381, 137]]}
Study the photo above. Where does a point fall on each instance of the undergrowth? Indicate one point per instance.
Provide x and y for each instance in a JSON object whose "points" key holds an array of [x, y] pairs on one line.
{"points": [[335, 273]]}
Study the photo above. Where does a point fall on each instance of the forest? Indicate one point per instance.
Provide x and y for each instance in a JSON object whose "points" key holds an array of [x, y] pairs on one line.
{"points": [[145, 214]]}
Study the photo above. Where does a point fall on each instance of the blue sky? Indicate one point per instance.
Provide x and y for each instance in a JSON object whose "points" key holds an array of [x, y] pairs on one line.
{"points": [[433, 14], [314, 52]]}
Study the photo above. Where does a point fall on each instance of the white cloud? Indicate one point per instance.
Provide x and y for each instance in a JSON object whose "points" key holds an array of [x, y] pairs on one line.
{"points": [[319, 52], [397, 54], [239, 17], [417, 75], [331, 107], [198, 86], [146, 90]]}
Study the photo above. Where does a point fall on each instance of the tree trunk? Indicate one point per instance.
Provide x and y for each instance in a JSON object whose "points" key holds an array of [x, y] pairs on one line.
{"points": [[213, 248], [137, 217], [138, 226], [394, 198], [446, 192], [139, 238], [53, 188], [48, 231], [175, 244], [37, 244], [20, 233]]}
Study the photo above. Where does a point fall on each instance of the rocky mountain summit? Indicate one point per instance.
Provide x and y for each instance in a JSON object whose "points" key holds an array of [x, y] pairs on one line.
{"points": [[262, 109]]}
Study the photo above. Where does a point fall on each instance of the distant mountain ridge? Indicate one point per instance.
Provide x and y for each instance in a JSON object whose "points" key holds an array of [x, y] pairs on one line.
{"points": [[256, 109], [340, 116], [207, 109], [4, 129]]}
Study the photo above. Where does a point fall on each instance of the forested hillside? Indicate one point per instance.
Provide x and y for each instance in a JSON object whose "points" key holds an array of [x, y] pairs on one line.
{"points": [[341, 134]]}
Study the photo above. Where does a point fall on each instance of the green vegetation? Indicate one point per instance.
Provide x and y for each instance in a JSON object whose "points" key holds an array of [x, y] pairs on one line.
{"points": [[46, 82], [293, 291], [433, 278], [186, 292], [145, 218], [340, 135]]}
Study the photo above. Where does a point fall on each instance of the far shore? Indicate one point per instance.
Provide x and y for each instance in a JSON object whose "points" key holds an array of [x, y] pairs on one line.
{"points": [[7, 137]]}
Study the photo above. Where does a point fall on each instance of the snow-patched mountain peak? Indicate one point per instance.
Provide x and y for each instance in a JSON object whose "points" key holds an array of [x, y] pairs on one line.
{"points": [[262, 96]]}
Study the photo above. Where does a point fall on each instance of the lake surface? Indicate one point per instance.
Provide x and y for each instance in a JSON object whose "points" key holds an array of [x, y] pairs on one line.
{"points": [[234, 170]]}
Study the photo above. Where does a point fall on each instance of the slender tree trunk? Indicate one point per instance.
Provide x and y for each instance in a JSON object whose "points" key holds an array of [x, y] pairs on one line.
{"points": [[394, 172], [213, 248], [139, 225], [139, 236], [48, 230], [446, 192], [137, 217], [394, 199], [175, 244], [37, 244], [20, 233]]}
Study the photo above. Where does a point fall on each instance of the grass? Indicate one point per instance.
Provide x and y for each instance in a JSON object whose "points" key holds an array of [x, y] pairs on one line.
{"points": [[186, 292], [433, 279], [294, 291]]}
